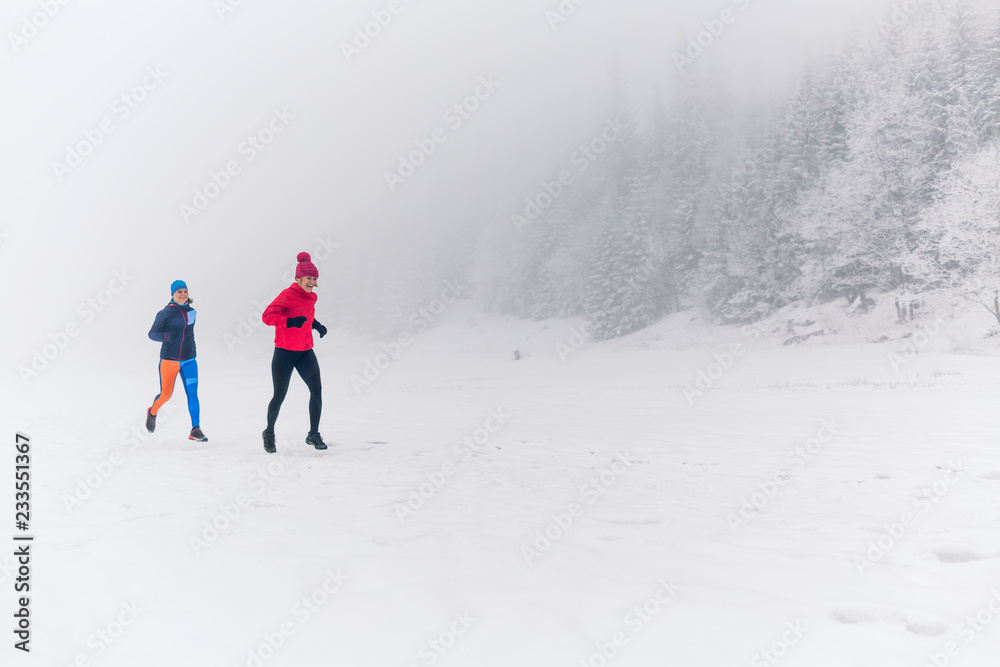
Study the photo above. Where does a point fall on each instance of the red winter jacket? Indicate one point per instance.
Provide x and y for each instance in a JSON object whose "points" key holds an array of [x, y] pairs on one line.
{"points": [[292, 302]]}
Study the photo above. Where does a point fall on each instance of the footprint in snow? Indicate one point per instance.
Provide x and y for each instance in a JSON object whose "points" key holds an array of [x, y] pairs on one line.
{"points": [[852, 617], [927, 629], [960, 556], [922, 628], [633, 521], [383, 542]]}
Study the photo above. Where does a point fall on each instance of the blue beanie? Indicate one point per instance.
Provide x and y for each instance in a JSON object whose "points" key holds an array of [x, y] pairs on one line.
{"points": [[176, 285]]}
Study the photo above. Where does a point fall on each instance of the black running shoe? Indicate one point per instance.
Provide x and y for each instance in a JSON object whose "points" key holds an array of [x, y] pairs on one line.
{"points": [[196, 434], [269, 442], [150, 420], [316, 440]]}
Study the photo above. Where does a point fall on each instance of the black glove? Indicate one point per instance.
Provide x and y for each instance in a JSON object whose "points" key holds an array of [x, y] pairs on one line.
{"points": [[320, 328], [295, 322]]}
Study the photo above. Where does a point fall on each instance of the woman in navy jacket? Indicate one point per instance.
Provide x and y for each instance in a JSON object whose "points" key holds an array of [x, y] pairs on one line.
{"points": [[174, 328]]}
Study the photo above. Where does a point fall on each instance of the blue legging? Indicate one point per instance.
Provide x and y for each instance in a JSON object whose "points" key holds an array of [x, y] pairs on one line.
{"points": [[188, 370]]}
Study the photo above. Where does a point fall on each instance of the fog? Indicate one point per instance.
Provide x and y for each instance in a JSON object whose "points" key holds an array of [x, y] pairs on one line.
{"points": [[728, 381], [200, 78]]}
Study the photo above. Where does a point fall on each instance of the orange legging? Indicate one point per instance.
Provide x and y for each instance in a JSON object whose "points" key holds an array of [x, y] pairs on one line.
{"points": [[188, 371]]}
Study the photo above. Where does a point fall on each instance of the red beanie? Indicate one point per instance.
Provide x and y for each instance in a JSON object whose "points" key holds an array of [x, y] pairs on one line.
{"points": [[306, 268]]}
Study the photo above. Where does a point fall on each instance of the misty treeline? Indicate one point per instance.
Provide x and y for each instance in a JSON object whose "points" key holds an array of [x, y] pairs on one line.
{"points": [[879, 172]]}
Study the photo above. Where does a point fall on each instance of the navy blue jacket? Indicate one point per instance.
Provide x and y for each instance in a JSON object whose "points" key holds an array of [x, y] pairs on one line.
{"points": [[174, 327]]}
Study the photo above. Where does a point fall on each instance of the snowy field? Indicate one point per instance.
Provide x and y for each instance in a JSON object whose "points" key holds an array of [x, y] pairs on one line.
{"points": [[818, 505]]}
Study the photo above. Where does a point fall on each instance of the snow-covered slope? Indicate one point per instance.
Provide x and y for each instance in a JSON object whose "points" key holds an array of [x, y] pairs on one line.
{"points": [[663, 499]]}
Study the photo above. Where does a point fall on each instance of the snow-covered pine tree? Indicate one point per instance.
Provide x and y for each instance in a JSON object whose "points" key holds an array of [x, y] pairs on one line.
{"points": [[960, 233], [624, 287], [684, 194], [988, 81]]}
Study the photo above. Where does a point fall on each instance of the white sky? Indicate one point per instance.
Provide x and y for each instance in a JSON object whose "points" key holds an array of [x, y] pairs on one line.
{"points": [[324, 173]]}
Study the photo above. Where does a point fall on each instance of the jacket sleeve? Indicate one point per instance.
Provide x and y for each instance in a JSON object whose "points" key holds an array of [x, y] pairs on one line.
{"points": [[274, 315], [159, 329]]}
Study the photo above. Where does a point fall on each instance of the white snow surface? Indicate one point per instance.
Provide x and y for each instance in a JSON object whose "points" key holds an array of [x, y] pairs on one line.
{"points": [[900, 451]]}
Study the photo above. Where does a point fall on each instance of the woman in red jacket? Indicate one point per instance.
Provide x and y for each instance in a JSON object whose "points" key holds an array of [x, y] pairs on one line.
{"points": [[293, 316]]}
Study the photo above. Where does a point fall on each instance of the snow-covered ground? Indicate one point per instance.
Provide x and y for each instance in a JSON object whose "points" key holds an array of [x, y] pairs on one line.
{"points": [[685, 496]]}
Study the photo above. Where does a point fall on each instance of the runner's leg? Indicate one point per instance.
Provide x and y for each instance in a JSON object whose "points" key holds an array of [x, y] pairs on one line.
{"points": [[168, 374], [282, 364], [308, 368], [189, 376]]}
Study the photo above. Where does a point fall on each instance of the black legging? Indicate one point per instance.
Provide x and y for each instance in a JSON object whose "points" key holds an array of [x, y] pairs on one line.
{"points": [[282, 364]]}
